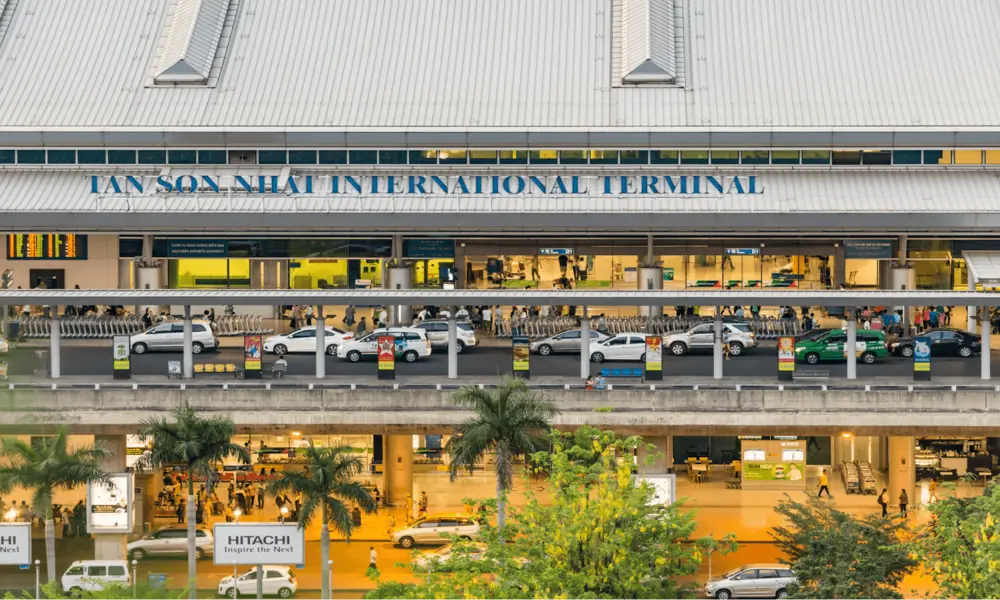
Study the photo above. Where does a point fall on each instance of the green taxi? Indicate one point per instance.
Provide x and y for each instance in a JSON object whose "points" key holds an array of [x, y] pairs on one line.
{"points": [[830, 347]]}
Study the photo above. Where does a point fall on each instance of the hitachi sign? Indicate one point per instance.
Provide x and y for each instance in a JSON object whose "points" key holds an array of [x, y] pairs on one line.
{"points": [[430, 185]]}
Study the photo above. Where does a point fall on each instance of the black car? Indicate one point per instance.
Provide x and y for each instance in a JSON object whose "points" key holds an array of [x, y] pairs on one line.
{"points": [[944, 342]]}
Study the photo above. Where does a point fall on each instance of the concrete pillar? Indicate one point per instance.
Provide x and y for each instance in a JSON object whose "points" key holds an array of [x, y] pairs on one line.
{"points": [[460, 274], [320, 343], [850, 346], [400, 278], [188, 358], [585, 344], [650, 278], [111, 546], [839, 267], [717, 344], [904, 279], [902, 469], [452, 343], [984, 358], [970, 324], [148, 278], [663, 454], [398, 472], [54, 334]]}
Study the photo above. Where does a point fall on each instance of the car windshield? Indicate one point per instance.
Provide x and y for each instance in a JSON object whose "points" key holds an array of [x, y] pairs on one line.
{"points": [[733, 572]]}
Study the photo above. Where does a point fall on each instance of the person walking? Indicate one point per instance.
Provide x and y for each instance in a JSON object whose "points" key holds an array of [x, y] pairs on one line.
{"points": [[260, 496], [824, 485], [882, 502], [362, 327], [383, 317], [487, 318], [181, 508], [423, 501], [310, 312], [372, 560], [391, 526], [903, 501], [349, 316], [933, 491]]}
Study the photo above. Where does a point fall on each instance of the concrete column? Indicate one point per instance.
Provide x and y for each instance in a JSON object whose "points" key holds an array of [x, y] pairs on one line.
{"points": [[902, 469], [452, 343], [188, 359], [970, 310], [400, 278], [717, 345], [839, 267], [111, 546], [585, 344], [54, 334], [320, 343], [904, 279], [148, 278], [663, 454], [850, 347], [650, 278], [460, 282], [984, 358], [398, 471]]}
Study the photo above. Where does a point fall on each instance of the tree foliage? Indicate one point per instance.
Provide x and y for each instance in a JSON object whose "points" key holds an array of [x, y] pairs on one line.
{"points": [[599, 536], [838, 555], [961, 546], [108, 591]]}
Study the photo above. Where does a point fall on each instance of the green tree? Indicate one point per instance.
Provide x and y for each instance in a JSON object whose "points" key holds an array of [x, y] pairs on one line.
{"points": [[200, 444], [509, 421], [109, 591], [45, 468], [961, 546], [327, 487], [838, 555]]}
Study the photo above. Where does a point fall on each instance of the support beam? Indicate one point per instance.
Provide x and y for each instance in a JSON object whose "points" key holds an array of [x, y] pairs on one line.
{"points": [[452, 343], [320, 344], [398, 470], [111, 546], [902, 469], [188, 357], [585, 344], [717, 344], [971, 314], [850, 347], [985, 331], [54, 335]]}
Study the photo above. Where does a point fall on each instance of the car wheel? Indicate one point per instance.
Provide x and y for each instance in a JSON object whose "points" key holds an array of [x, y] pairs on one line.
{"points": [[812, 358], [406, 541], [354, 356], [906, 351], [868, 358], [75, 592], [965, 352], [197, 348], [139, 348], [460, 346], [285, 592], [410, 356], [280, 349], [138, 554], [597, 357], [199, 554], [735, 349], [723, 595], [331, 350], [231, 592], [678, 348], [545, 349], [642, 357], [781, 594]]}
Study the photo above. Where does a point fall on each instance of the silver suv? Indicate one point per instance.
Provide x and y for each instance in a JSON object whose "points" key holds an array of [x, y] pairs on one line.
{"points": [[172, 541], [437, 333], [169, 336], [702, 337], [752, 581]]}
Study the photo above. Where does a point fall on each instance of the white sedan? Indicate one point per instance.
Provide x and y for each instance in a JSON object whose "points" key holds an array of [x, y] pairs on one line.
{"points": [[304, 340], [624, 346]]}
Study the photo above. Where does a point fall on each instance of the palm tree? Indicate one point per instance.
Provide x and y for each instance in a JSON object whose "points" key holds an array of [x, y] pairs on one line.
{"points": [[510, 421], [45, 467], [327, 486], [198, 443]]}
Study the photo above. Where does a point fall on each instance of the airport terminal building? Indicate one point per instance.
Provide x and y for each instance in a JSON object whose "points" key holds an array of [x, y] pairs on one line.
{"points": [[502, 143]]}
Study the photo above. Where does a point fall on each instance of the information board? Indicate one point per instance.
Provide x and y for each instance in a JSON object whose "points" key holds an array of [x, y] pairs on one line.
{"points": [[46, 246], [109, 506]]}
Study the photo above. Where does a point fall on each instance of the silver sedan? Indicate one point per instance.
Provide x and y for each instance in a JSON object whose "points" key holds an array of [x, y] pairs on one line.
{"points": [[564, 342]]}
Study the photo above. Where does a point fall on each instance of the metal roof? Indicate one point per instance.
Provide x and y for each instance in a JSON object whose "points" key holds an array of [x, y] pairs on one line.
{"points": [[189, 41], [506, 66], [772, 297], [984, 267]]}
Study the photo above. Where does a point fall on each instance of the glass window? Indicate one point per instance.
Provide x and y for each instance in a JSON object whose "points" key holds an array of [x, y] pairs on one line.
{"points": [[785, 573], [420, 157], [62, 157], [785, 157], [618, 342], [307, 157], [116, 570], [121, 157], [92, 157], [392, 157], [815, 157], [876, 157], [847, 157], [31, 157], [636, 340], [483, 157], [428, 525], [725, 157], [937, 157], [906, 157], [7, 157], [992, 157], [272, 575], [251, 576], [272, 157], [238, 157], [767, 574], [756, 157], [358, 157], [75, 571], [664, 157], [95, 571], [573, 157], [206, 157], [604, 157], [968, 157], [453, 157], [543, 157], [570, 335], [513, 157], [182, 157], [694, 157], [746, 575], [632, 157], [152, 157]]}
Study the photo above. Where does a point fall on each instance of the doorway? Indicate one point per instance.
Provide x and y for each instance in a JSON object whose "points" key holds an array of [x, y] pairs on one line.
{"points": [[54, 279]]}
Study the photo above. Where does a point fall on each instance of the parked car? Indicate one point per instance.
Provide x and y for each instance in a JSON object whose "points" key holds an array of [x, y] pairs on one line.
{"points": [[752, 581], [304, 340], [93, 575], [435, 530], [411, 344], [944, 342], [702, 337], [169, 336], [171, 541], [564, 341], [830, 347], [624, 346], [278, 581], [437, 333]]}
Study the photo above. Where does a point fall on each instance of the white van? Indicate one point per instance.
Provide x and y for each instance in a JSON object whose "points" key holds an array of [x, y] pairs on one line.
{"points": [[93, 575]]}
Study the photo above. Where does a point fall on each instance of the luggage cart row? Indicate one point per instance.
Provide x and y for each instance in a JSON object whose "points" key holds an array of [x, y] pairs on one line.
{"points": [[869, 485], [767, 328], [852, 479], [231, 325], [80, 327]]}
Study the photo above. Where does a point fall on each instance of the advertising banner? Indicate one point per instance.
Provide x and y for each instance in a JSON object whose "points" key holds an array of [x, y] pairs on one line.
{"points": [[258, 543], [922, 357], [386, 357], [522, 356], [786, 358], [122, 357], [135, 449], [15, 544], [252, 349], [778, 471], [109, 506], [654, 357]]}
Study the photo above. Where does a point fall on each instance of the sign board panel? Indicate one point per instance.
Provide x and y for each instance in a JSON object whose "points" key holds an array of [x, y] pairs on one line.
{"points": [[15, 543], [46, 246], [786, 356], [258, 543], [922, 353], [122, 356], [791, 471], [197, 248], [868, 249], [654, 357], [429, 248], [109, 507], [135, 448], [522, 356], [252, 349], [742, 251]]}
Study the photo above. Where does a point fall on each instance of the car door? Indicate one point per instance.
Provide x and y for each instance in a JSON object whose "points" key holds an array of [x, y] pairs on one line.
{"points": [[767, 583], [944, 343], [118, 574], [302, 341], [568, 341], [175, 339], [159, 336], [247, 584], [614, 349], [369, 345], [96, 574], [426, 532], [833, 346], [702, 336], [744, 585], [272, 582], [636, 348]]}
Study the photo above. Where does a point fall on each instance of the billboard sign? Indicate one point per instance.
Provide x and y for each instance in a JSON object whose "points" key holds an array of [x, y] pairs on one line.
{"points": [[654, 357], [386, 357], [258, 543], [522, 356], [109, 506], [122, 357], [922, 357], [252, 355], [786, 357], [15, 543]]}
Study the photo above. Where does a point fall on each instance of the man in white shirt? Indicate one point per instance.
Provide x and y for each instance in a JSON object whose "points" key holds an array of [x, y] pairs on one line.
{"points": [[383, 318], [461, 313], [372, 557], [487, 318], [445, 313]]}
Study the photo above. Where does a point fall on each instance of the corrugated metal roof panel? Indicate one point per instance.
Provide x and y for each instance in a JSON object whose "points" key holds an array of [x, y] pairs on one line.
{"points": [[189, 41], [647, 40]]}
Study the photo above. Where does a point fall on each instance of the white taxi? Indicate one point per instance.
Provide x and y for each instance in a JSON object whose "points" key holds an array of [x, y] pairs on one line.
{"points": [[411, 345]]}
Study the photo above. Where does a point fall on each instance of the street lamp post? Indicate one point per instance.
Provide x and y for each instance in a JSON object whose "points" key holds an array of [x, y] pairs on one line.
{"points": [[283, 515], [38, 579], [330, 564], [135, 578]]}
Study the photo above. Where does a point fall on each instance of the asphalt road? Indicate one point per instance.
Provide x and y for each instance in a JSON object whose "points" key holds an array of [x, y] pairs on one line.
{"points": [[489, 361]]}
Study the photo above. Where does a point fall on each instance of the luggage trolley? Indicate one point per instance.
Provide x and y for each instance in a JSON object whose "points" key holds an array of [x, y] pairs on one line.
{"points": [[867, 478], [852, 482]]}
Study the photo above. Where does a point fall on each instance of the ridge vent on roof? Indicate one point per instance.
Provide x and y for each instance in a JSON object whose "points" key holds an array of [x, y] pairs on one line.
{"points": [[647, 41], [190, 41]]}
